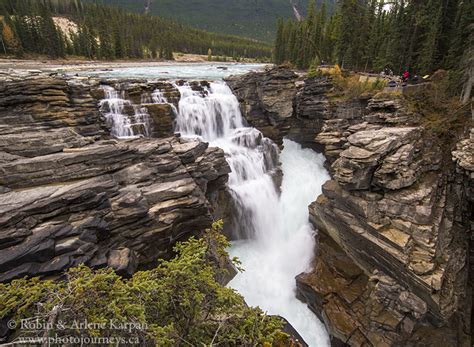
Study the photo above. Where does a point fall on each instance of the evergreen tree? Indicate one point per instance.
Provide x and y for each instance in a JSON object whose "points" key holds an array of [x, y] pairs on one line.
{"points": [[118, 46], [367, 35], [50, 34], [431, 17], [109, 33], [279, 51]]}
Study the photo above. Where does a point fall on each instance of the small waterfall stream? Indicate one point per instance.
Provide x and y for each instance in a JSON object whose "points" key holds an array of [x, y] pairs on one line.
{"points": [[126, 119]]}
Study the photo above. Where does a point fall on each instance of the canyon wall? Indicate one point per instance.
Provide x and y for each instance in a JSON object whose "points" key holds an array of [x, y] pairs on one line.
{"points": [[392, 266], [70, 193], [395, 241], [277, 104]]}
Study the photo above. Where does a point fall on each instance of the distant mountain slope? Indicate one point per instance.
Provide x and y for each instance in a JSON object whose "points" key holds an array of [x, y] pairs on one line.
{"points": [[251, 18], [96, 31]]}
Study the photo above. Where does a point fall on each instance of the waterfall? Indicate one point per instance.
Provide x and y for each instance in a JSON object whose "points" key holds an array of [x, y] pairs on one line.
{"points": [[158, 97], [125, 119], [277, 241], [283, 249], [213, 115]]}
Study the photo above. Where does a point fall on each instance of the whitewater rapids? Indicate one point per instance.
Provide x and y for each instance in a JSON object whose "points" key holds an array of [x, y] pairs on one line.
{"points": [[284, 248]]}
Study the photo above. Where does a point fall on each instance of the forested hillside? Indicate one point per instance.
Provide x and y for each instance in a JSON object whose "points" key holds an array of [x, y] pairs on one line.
{"points": [[104, 32], [250, 18], [368, 35]]}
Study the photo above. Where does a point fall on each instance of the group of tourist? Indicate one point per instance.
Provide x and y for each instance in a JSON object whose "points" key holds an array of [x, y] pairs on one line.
{"points": [[403, 80]]}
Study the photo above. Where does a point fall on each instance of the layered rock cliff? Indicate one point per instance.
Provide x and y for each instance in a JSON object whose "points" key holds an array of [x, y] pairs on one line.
{"points": [[280, 104], [394, 223], [70, 193], [398, 215]]}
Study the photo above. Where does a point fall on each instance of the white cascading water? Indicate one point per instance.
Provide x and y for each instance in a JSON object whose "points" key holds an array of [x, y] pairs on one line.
{"points": [[278, 243], [158, 97], [122, 125], [214, 116], [284, 248], [211, 114]]}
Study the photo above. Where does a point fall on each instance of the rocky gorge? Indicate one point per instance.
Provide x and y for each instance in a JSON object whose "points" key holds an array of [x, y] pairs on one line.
{"points": [[393, 262], [71, 193]]}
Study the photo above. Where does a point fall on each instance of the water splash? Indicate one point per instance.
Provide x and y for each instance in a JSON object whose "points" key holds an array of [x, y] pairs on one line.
{"points": [[284, 248], [277, 240]]}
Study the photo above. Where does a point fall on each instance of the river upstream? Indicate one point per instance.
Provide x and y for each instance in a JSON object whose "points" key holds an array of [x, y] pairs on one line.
{"points": [[277, 240]]}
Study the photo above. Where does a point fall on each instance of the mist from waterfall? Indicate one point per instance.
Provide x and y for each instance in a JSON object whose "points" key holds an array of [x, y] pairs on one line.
{"points": [[277, 240]]}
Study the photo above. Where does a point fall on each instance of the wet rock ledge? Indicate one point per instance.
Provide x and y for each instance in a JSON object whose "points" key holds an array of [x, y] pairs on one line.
{"points": [[71, 194], [393, 265]]}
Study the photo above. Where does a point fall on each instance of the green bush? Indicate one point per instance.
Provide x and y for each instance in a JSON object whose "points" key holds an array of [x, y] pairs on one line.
{"points": [[350, 87], [441, 110], [177, 303]]}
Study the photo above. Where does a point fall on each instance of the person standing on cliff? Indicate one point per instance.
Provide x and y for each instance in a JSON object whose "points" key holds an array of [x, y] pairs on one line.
{"points": [[405, 76]]}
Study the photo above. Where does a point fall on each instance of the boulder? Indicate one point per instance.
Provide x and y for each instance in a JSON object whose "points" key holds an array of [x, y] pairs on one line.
{"points": [[123, 261], [162, 116], [267, 100]]}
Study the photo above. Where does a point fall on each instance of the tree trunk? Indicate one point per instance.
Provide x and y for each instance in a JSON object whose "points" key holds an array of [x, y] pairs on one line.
{"points": [[467, 90]]}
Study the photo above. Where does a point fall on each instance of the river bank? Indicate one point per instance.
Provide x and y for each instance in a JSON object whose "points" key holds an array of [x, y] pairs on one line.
{"points": [[81, 64]]}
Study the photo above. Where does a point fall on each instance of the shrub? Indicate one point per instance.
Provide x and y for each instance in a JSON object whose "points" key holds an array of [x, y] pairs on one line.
{"points": [[441, 110], [177, 303], [351, 86]]}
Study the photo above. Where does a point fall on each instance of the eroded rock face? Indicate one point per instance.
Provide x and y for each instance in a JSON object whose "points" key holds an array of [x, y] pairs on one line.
{"points": [[43, 115], [392, 264], [71, 194], [267, 100], [279, 104], [395, 221]]}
